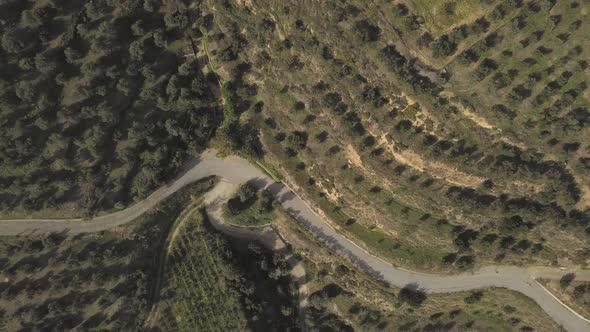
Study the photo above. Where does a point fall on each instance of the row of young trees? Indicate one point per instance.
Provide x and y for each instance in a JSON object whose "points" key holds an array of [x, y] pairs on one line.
{"points": [[217, 282], [539, 80], [447, 44]]}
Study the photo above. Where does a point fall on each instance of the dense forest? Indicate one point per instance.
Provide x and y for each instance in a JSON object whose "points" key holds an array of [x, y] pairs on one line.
{"points": [[100, 101]]}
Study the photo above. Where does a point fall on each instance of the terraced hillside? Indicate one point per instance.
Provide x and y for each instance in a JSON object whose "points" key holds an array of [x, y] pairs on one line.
{"points": [[443, 152], [440, 136]]}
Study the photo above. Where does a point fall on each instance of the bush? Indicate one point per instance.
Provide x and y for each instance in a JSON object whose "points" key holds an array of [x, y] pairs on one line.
{"points": [[297, 140], [465, 262], [412, 295], [520, 93], [579, 291], [474, 297], [504, 111], [366, 31], [443, 46], [407, 71], [449, 258], [246, 192], [486, 67], [465, 238], [266, 201], [566, 280]]}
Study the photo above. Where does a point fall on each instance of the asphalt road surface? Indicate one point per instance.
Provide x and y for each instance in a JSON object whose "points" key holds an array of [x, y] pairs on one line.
{"points": [[235, 170]]}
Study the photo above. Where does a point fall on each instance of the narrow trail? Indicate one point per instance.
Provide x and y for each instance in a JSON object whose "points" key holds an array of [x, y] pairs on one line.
{"points": [[234, 170]]}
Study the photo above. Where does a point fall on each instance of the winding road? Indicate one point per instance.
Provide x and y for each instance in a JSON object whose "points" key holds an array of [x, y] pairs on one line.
{"points": [[214, 201], [235, 170]]}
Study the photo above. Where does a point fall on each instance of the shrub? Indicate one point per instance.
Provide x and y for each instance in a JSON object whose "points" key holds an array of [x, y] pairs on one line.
{"points": [[297, 140], [366, 31], [443, 46], [474, 297], [486, 67], [412, 295], [465, 262], [246, 192], [566, 280], [520, 93], [579, 291]]}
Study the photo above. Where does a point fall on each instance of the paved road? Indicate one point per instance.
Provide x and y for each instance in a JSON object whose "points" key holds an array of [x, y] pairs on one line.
{"points": [[214, 201], [235, 170]]}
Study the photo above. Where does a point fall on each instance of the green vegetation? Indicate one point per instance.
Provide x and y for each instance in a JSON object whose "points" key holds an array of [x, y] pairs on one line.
{"points": [[99, 100], [535, 89], [92, 281], [473, 152], [441, 29], [214, 282], [342, 298], [250, 207], [439, 162], [439, 135], [87, 281], [439, 313], [576, 294], [439, 16]]}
